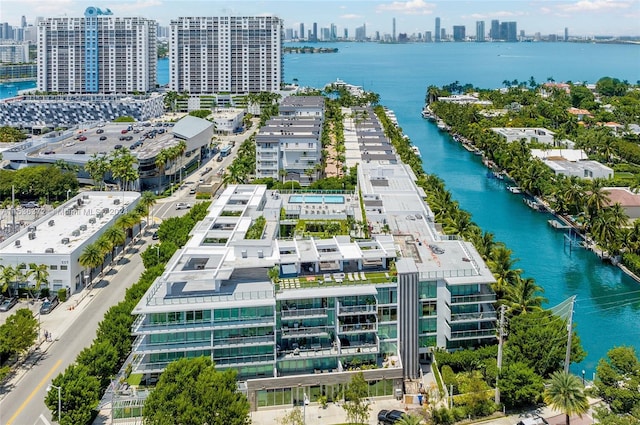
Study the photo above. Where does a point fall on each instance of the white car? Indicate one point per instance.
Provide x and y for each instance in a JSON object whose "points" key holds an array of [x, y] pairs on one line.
{"points": [[182, 206]]}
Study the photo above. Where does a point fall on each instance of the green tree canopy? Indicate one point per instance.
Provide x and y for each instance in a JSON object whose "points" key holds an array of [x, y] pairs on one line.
{"points": [[539, 339], [80, 393], [11, 135], [519, 385], [566, 394], [192, 392], [19, 332], [618, 380], [355, 395]]}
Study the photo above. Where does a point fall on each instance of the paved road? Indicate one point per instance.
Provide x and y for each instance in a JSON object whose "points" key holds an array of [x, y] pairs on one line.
{"points": [[23, 396]]}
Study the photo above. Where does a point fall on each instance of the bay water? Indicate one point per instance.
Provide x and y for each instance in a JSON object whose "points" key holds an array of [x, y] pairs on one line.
{"points": [[607, 309]]}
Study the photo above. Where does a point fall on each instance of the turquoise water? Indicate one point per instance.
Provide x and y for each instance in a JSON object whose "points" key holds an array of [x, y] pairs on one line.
{"points": [[316, 199], [607, 310], [12, 89]]}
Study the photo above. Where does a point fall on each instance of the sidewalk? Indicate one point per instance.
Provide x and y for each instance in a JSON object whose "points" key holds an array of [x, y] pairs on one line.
{"points": [[61, 318]]}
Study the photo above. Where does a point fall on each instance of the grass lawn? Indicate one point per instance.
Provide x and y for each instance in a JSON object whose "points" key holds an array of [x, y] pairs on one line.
{"points": [[134, 379]]}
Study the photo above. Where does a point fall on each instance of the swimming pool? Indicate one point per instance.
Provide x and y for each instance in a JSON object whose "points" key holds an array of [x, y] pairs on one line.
{"points": [[316, 199]]}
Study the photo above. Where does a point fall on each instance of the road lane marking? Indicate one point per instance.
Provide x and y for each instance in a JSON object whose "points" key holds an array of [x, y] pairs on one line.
{"points": [[38, 387]]}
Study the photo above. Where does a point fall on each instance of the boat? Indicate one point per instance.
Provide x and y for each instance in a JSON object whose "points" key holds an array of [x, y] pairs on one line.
{"points": [[477, 151], [416, 151], [498, 175], [442, 126], [514, 189], [533, 204], [427, 113]]}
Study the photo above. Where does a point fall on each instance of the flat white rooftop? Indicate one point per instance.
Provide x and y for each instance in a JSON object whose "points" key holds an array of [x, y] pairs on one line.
{"points": [[67, 227]]}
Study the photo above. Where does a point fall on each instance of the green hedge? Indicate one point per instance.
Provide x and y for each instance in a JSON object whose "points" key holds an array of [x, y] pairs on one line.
{"points": [[632, 262]]}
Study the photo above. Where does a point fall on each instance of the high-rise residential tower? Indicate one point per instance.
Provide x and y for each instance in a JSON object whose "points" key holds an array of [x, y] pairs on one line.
{"points": [[301, 34], [480, 31], [437, 31], [394, 29], [459, 33], [241, 54], [494, 32], [98, 53]]}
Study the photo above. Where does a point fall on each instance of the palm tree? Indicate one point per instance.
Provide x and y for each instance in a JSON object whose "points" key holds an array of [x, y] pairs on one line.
{"points": [[566, 394], [116, 236], [181, 148], [91, 258], [105, 246], [40, 274], [161, 163], [597, 198], [407, 419], [501, 265], [7, 277], [523, 296], [147, 200], [485, 244], [96, 167]]}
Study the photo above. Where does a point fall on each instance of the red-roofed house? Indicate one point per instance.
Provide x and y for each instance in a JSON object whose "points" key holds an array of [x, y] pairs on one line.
{"points": [[580, 113], [629, 200]]}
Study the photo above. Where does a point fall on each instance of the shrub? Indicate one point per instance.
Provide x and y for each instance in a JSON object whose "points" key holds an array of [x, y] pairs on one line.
{"points": [[62, 294]]}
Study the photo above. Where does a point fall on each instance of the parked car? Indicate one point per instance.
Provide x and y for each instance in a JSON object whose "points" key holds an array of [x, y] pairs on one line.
{"points": [[99, 131], [219, 159], [125, 131], [82, 138], [103, 137], [182, 206], [116, 147], [30, 204], [155, 236], [192, 191], [389, 417], [80, 152], [49, 304], [8, 303]]}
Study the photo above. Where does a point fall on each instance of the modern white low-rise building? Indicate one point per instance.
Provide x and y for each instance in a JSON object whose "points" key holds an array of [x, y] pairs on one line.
{"points": [[340, 302], [537, 135], [572, 162], [58, 239]]}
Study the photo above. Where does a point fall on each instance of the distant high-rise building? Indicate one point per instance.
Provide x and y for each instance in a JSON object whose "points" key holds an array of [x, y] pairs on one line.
{"points": [[23, 22], [237, 54], [334, 32], [288, 34], [315, 32], [494, 32], [459, 33], [326, 34], [480, 31], [361, 33], [443, 34], [301, 33], [508, 31], [346, 34], [427, 37], [566, 34], [6, 31], [394, 29], [98, 53], [437, 31]]}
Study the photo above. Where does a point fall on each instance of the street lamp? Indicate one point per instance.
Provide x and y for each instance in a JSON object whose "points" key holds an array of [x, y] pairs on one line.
{"points": [[59, 397], [583, 377], [68, 192], [158, 250]]}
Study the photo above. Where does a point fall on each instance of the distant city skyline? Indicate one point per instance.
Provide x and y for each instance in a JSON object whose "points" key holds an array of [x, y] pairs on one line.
{"points": [[581, 17]]}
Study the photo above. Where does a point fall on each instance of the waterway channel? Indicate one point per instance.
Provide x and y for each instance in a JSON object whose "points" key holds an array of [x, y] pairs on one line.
{"points": [[607, 308]]}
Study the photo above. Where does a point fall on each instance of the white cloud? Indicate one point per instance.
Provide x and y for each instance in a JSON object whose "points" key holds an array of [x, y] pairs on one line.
{"points": [[411, 7], [494, 15], [594, 5], [351, 16]]}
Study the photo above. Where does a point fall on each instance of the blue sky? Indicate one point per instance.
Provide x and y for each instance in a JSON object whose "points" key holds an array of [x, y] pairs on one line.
{"points": [[582, 17]]}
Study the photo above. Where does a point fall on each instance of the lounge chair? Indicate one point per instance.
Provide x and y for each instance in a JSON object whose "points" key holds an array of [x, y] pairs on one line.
{"points": [[362, 276]]}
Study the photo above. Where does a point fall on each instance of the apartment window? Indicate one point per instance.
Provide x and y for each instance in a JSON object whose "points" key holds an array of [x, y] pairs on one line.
{"points": [[53, 267], [64, 267]]}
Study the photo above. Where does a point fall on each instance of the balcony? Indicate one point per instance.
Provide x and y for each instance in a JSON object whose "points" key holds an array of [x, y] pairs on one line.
{"points": [[358, 328], [307, 332], [474, 317], [350, 310], [295, 313], [474, 299], [234, 341], [473, 334]]}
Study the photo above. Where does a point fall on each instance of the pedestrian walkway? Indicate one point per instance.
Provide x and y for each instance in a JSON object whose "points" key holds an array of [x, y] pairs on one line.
{"points": [[53, 325]]}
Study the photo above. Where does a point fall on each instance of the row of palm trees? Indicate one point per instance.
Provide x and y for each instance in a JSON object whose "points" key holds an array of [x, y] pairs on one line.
{"points": [[120, 164], [166, 159], [94, 255], [12, 275]]}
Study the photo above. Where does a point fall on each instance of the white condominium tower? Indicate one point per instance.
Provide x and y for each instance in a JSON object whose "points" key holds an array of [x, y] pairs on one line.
{"points": [[241, 54], [98, 53]]}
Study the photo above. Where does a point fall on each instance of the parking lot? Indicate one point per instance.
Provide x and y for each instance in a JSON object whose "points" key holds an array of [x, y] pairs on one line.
{"points": [[105, 139]]}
